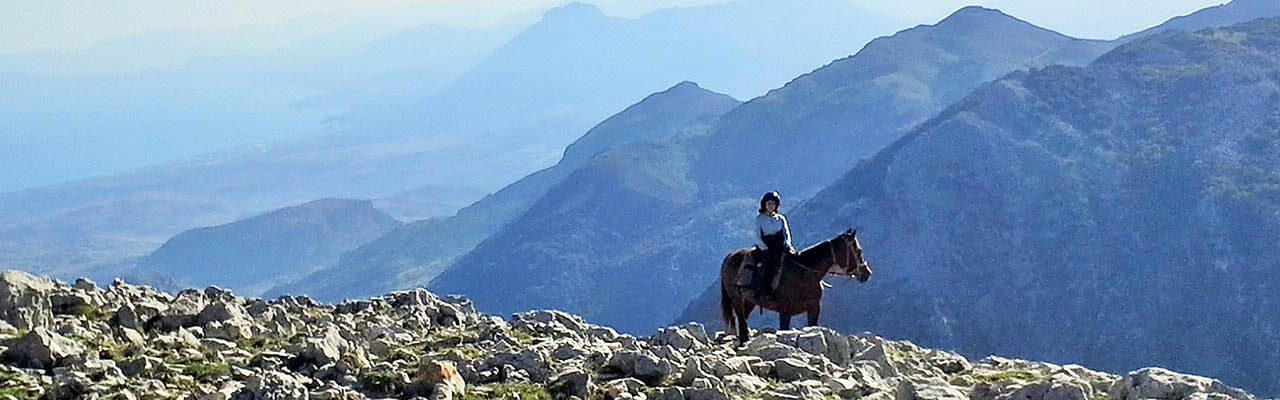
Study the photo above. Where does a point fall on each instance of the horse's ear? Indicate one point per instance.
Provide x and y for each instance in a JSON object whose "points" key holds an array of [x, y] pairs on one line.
{"points": [[853, 231], [848, 231]]}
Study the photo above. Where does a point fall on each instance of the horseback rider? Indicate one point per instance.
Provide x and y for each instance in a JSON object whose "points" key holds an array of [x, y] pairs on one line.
{"points": [[773, 236]]}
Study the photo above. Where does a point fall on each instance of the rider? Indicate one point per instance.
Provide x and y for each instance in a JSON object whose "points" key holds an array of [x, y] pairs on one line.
{"points": [[774, 237]]}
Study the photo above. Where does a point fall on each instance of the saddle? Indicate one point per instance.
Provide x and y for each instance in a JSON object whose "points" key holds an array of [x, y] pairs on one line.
{"points": [[752, 264]]}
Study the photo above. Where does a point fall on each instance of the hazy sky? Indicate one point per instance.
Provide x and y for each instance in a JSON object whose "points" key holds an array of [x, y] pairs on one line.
{"points": [[66, 25]]}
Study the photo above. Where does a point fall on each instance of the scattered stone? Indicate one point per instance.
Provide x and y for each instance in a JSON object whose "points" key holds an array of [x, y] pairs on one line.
{"points": [[211, 345], [40, 349]]}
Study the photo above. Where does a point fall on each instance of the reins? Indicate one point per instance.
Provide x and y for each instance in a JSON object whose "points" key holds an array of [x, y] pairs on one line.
{"points": [[830, 247]]}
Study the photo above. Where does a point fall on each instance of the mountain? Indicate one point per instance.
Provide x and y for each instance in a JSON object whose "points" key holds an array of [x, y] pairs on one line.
{"points": [[1118, 214], [508, 116], [633, 235], [417, 251], [576, 66], [254, 254], [414, 344], [864, 102], [1233, 12]]}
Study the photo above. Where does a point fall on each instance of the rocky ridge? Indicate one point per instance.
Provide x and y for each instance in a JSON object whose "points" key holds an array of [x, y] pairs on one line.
{"points": [[60, 341]]}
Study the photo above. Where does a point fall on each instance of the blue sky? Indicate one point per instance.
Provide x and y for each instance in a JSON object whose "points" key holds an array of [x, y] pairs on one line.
{"points": [[68, 25]]}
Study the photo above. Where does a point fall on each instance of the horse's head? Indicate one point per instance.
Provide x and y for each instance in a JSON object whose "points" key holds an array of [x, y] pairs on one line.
{"points": [[850, 256]]}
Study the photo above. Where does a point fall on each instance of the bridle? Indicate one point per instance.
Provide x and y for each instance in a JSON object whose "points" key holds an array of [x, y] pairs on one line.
{"points": [[832, 248]]}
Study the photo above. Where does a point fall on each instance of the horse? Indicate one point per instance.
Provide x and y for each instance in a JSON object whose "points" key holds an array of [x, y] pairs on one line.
{"points": [[800, 282]]}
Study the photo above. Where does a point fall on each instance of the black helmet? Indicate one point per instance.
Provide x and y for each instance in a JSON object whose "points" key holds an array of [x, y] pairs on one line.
{"points": [[770, 196]]}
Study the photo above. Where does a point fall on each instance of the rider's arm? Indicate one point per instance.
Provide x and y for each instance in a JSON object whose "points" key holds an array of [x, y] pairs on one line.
{"points": [[759, 234], [786, 230]]}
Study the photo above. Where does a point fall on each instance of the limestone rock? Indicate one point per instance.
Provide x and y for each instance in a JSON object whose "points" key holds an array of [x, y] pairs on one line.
{"points": [[1159, 383], [790, 369], [571, 382], [639, 365], [24, 300], [928, 389], [443, 375], [272, 385], [40, 349], [219, 312]]}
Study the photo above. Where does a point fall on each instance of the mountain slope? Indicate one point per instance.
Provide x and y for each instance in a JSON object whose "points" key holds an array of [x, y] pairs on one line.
{"points": [[1233, 12], [254, 254], [416, 252], [864, 102], [634, 235], [1114, 215]]}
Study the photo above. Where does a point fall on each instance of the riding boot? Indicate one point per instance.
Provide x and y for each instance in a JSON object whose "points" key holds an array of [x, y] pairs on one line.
{"points": [[759, 280], [766, 280]]}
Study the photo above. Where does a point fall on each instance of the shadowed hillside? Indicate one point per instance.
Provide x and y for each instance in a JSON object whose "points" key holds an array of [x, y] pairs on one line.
{"points": [[415, 253], [253, 254], [1120, 214]]}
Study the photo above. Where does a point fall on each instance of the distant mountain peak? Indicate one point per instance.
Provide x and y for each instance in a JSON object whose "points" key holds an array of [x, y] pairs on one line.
{"points": [[973, 14], [685, 89], [989, 21], [573, 11]]}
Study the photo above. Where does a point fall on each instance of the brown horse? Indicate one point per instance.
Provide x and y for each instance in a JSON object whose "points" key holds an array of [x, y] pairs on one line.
{"points": [[799, 285]]}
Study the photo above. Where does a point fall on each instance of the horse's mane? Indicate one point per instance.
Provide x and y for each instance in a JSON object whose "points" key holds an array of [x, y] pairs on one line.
{"points": [[808, 255]]}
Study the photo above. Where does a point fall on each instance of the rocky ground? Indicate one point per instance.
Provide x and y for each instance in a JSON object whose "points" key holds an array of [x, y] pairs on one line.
{"points": [[60, 341]]}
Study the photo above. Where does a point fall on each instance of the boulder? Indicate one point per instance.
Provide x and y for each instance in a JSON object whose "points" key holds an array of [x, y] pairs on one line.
{"points": [[570, 383], [231, 329], [948, 362], [668, 393], [140, 365], [529, 362], [24, 300], [219, 312], [40, 349], [696, 369], [743, 384], [324, 348], [617, 388], [442, 376], [928, 389], [1159, 383], [1048, 391], [705, 394], [691, 336], [735, 365], [776, 351], [790, 369], [639, 365], [272, 385], [71, 385], [86, 285]]}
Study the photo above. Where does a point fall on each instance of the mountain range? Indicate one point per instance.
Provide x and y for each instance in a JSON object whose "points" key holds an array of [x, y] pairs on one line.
{"points": [[1118, 214], [390, 154], [626, 239], [416, 252]]}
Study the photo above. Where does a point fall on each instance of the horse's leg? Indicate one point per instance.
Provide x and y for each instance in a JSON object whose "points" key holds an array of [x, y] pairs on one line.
{"points": [[813, 314], [784, 321], [743, 332]]}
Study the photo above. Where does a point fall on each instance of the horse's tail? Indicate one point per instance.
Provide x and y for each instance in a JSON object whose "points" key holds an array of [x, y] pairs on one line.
{"points": [[726, 310]]}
